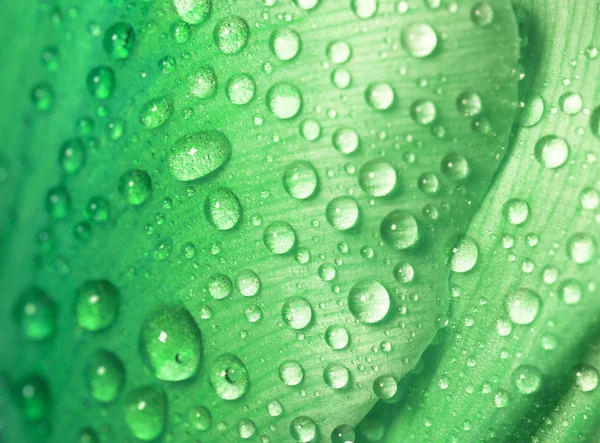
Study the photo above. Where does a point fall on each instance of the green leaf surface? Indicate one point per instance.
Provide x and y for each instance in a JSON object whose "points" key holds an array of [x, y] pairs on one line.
{"points": [[222, 237], [523, 317]]}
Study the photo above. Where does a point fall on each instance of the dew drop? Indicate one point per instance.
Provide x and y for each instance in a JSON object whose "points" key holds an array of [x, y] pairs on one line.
{"points": [[200, 418], [380, 96], [284, 101], [465, 255], [279, 237], [302, 428], [377, 178], [528, 379], [419, 39], [400, 230], [482, 14], [551, 151], [345, 140], [146, 412], [135, 186], [203, 82], [468, 104], [423, 112], [219, 286], [455, 167], [585, 377], [33, 398], [337, 337], [300, 179], [336, 376], [247, 283], [223, 209], [104, 376], [338, 52], [156, 112], [198, 154], [36, 314], [570, 103], [231, 34], [364, 9], [531, 111], [516, 211], [343, 434], [581, 248], [118, 40], [297, 312], [342, 213], [97, 305], [193, 11], [42, 96], [240, 89], [523, 306], [101, 82], [285, 43], [72, 156], [570, 291], [369, 301], [291, 372], [170, 344], [385, 387]]}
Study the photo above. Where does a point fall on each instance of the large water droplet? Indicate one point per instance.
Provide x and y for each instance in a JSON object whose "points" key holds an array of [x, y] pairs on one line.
{"points": [[551, 151], [423, 112], [198, 154], [523, 306], [531, 111], [247, 282], [343, 434], [291, 372], [336, 376], [200, 418], [72, 156], [285, 43], [570, 291], [528, 379], [284, 100], [364, 9], [380, 96], [516, 211], [297, 312], [400, 230], [571, 103], [104, 376], [101, 82], [118, 40], [469, 104], [229, 377], [97, 305], [377, 178], [419, 39], [193, 11], [155, 112], [170, 343], [300, 179], [345, 140], [581, 247], [36, 314], [385, 387], [135, 186], [337, 337], [303, 429], [586, 377], [482, 14], [279, 237], [369, 301], [240, 89], [464, 255], [223, 209], [32, 397], [342, 213], [203, 82], [231, 34], [146, 412]]}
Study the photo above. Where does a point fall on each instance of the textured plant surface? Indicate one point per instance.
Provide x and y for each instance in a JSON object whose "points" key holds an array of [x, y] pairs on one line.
{"points": [[300, 220]]}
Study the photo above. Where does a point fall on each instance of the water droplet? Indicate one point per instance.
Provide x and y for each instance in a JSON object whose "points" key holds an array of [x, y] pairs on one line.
{"points": [[97, 305], [200, 418], [275, 408], [101, 82], [284, 100], [58, 202], [570, 291], [198, 154], [345, 140], [72, 156], [247, 283], [364, 9], [135, 186], [42, 96], [51, 58], [297, 312], [279, 237], [247, 429], [343, 434], [339, 52], [36, 314], [501, 398], [327, 272], [291, 372], [337, 337], [419, 39], [240, 89], [156, 112], [523, 306], [516, 211], [219, 286], [97, 209], [377, 178], [532, 109], [180, 32], [170, 344], [336, 376], [589, 199], [118, 40], [231, 34], [253, 313], [310, 129], [385, 387], [229, 377], [32, 397], [380, 96], [404, 273], [586, 377], [307, 4], [285, 43], [570, 103], [581, 247], [193, 11], [528, 379], [342, 213], [302, 428], [482, 14], [369, 301], [400, 230], [429, 183], [223, 209], [464, 255], [455, 167], [104, 376], [341, 78], [468, 104], [146, 412], [423, 112], [203, 82], [551, 151], [300, 179]]}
